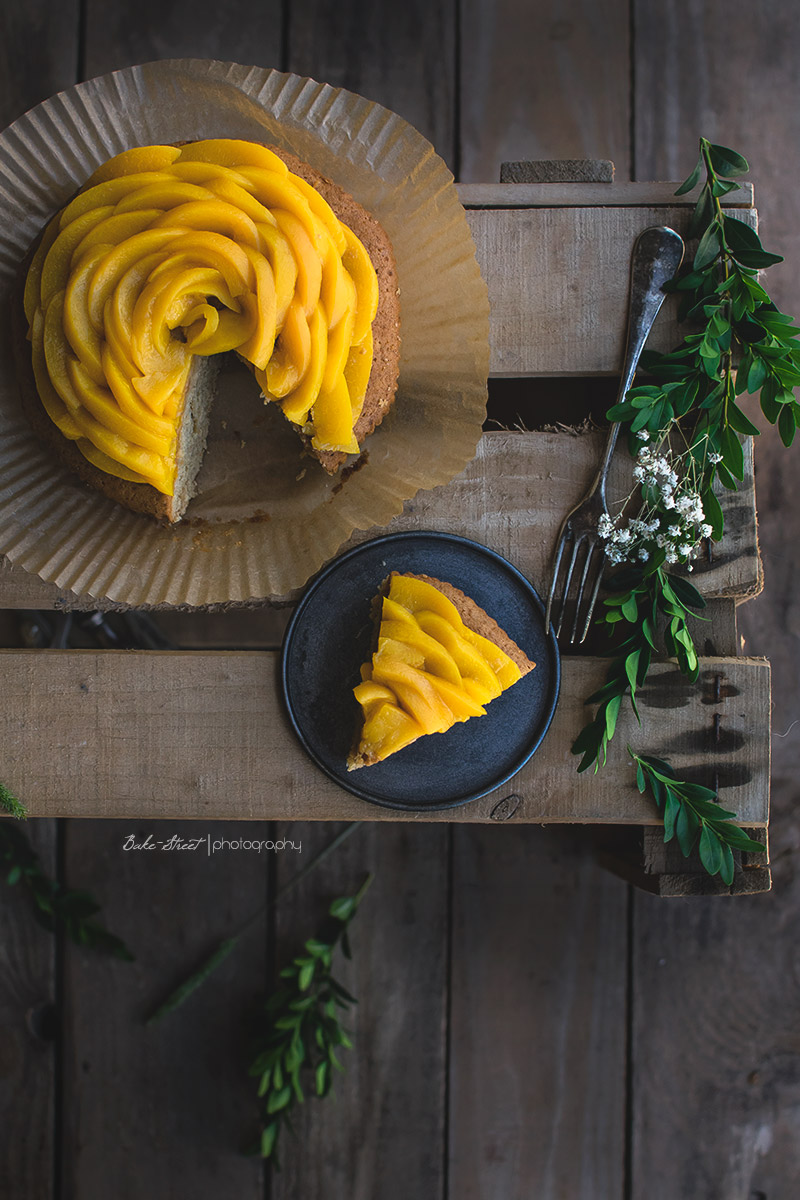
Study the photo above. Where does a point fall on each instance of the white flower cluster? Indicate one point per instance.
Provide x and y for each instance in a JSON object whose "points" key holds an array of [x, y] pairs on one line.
{"points": [[673, 520]]}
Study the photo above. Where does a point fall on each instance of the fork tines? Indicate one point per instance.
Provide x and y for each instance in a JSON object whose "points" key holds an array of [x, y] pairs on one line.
{"points": [[590, 548]]}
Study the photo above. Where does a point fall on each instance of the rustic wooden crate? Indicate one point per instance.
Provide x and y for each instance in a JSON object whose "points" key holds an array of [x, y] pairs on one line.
{"points": [[203, 733]]}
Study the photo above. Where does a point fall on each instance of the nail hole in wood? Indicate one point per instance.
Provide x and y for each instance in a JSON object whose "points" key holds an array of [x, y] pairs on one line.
{"points": [[505, 808]]}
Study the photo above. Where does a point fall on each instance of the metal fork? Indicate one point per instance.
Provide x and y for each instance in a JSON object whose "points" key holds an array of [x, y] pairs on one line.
{"points": [[657, 255]]}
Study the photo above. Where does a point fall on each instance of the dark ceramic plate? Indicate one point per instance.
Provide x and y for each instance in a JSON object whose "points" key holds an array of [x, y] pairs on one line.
{"points": [[330, 636]]}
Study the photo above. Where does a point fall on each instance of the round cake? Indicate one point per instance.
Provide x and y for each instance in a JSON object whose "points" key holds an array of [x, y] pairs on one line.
{"points": [[167, 258]]}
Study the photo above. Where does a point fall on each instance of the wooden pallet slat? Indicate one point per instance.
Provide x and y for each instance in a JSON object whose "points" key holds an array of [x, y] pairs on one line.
{"points": [[193, 734], [512, 497]]}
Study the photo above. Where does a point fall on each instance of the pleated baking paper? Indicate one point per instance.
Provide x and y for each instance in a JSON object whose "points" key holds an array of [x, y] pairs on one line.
{"points": [[265, 517]]}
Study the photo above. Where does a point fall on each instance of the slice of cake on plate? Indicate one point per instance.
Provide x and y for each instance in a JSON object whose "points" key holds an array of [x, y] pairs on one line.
{"points": [[439, 659]]}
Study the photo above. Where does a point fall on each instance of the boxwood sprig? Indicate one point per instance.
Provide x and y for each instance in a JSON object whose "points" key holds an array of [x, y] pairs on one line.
{"points": [[55, 906], [641, 599], [685, 425], [693, 815], [301, 1031]]}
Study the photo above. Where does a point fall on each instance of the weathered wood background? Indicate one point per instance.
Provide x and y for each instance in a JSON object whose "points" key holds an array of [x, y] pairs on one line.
{"points": [[529, 1026]]}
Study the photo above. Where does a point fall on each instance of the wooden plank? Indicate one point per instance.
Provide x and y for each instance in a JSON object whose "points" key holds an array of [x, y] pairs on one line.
{"points": [[513, 497], [129, 1089], [120, 35], [203, 734], [38, 53], [544, 80], [400, 55], [537, 1060], [558, 281], [29, 1023], [382, 1132], [620, 194], [716, 1086], [38, 56]]}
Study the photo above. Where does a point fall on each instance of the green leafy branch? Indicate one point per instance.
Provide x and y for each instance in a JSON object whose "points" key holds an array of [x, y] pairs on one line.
{"points": [[693, 815], [11, 805], [641, 596], [302, 1030], [55, 906]]}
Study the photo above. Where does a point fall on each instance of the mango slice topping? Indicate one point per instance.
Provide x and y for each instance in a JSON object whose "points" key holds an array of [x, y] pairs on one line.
{"points": [[429, 671], [171, 252]]}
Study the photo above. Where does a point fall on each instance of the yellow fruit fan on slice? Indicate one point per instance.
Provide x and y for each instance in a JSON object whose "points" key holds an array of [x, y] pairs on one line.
{"points": [[439, 659]]}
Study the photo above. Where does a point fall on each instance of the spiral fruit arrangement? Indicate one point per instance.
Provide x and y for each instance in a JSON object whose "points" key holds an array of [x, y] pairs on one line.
{"points": [[174, 254]]}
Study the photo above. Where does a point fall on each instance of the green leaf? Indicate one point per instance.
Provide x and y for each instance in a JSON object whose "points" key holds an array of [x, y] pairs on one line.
{"points": [[758, 258], [713, 513], [726, 866], [787, 425], [686, 592], [757, 374], [343, 908], [322, 1077], [631, 668], [726, 161], [732, 453], [740, 236], [268, 1138], [692, 180], [612, 711], [279, 1100], [672, 809], [738, 421], [305, 976], [709, 247], [710, 850], [630, 609], [737, 838], [686, 826]]}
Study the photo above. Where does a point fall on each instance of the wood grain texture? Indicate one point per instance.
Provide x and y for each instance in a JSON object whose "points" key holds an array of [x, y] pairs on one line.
{"points": [[537, 1062], [546, 80], [620, 194], [400, 55], [203, 734], [512, 497], [120, 35], [716, 1053], [28, 1029], [558, 281], [38, 53], [382, 1132], [716, 1059], [137, 1102]]}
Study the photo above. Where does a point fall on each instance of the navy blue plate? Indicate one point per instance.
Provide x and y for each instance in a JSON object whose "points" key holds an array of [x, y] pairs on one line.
{"points": [[330, 636]]}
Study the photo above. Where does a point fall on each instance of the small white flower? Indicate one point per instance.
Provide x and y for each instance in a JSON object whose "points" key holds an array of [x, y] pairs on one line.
{"points": [[644, 554], [672, 556], [638, 474], [643, 435], [669, 502], [685, 549], [706, 531], [605, 526], [674, 531], [624, 536], [715, 458]]}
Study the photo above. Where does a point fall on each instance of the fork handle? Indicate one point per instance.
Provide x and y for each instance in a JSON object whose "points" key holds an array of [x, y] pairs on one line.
{"points": [[657, 255]]}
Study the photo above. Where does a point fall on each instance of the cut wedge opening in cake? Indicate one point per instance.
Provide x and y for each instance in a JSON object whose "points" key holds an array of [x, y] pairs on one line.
{"points": [[169, 257], [439, 659]]}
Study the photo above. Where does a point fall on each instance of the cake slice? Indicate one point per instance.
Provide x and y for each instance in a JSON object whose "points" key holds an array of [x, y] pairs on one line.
{"points": [[439, 659]]}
